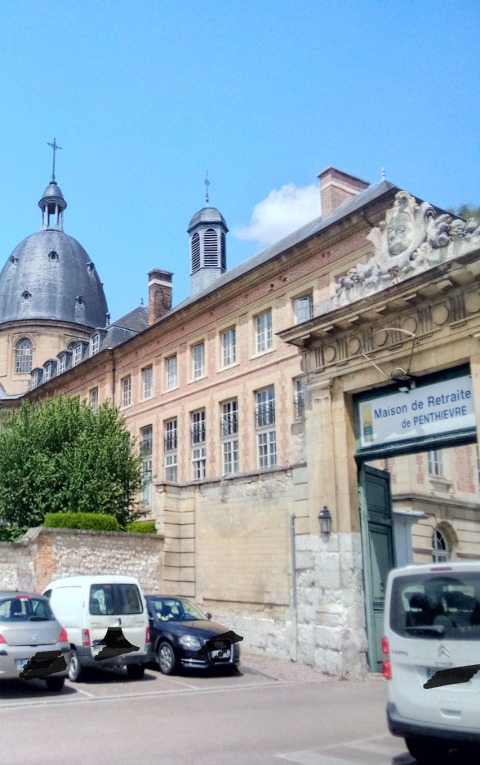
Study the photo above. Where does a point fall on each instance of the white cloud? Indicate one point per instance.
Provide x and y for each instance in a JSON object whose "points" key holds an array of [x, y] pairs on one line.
{"points": [[283, 211]]}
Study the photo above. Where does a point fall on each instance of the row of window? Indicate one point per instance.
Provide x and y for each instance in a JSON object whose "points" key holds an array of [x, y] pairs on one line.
{"points": [[75, 352], [78, 350], [229, 428], [228, 340]]}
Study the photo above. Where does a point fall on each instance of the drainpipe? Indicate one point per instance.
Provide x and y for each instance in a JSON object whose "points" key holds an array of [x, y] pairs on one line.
{"points": [[294, 583]]}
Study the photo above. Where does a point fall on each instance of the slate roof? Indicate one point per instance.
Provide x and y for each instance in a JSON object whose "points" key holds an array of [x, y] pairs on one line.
{"points": [[300, 235]]}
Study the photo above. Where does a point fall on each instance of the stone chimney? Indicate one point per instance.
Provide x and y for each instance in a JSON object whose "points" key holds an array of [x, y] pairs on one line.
{"points": [[159, 294], [336, 187]]}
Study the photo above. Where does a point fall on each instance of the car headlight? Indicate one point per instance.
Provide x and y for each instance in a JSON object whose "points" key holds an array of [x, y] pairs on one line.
{"points": [[188, 641]]}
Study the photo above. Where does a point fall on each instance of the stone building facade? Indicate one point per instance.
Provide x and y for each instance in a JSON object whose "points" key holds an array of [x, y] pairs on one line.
{"points": [[243, 401]]}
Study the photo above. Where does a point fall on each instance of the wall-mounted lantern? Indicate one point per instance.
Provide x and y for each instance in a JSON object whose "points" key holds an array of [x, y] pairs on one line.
{"points": [[325, 520]]}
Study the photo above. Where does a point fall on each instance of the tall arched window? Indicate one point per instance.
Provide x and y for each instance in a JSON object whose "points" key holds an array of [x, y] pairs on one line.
{"points": [[440, 550], [23, 356]]}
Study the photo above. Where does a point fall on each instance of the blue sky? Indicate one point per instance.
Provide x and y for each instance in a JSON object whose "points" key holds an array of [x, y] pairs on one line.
{"points": [[144, 96]]}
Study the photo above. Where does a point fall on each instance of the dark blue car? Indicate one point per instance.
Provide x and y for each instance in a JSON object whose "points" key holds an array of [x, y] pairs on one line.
{"points": [[182, 635]]}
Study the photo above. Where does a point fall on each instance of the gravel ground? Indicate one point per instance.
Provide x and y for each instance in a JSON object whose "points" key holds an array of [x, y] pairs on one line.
{"points": [[280, 669]]}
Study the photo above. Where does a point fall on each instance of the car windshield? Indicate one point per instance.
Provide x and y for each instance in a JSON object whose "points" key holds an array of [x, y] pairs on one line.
{"points": [[25, 608], [175, 609], [437, 606]]}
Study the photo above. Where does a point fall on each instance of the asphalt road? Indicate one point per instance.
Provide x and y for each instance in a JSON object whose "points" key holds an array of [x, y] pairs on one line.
{"points": [[195, 719]]}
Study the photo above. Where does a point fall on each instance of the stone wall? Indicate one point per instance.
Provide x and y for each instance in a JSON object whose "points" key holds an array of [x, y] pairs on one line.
{"points": [[46, 554], [228, 546], [331, 604]]}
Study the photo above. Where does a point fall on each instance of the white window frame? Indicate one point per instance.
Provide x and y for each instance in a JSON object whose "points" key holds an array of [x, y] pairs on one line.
{"points": [[23, 360], [127, 390], [171, 372], [435, 463], [299, 398], [198, 423], [265, 407], [303, 308], [170, 444], [264, 332], [265, 427], [62, 363], [229, 417], [171, 467], [267, 448], [147, 382], [229, 347], [440, 549], [229, 426], [199, 463], [94, 344], [198, 360], [146, 450], [230, 456], [170, 434], [93, 399], [77, 355]]}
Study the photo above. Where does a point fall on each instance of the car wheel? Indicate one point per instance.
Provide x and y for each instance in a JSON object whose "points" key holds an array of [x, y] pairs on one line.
{"points": [[166, 658], [427, 750], [75, 669], [55, 683], [135, 671]]}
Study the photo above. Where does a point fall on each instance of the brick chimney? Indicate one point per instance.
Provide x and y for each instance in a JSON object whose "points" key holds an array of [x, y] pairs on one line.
{"points": [[159, 294], [336, 187]]}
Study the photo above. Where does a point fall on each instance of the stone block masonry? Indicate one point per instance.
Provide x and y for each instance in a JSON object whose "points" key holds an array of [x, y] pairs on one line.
{"points": [[46, 554]]}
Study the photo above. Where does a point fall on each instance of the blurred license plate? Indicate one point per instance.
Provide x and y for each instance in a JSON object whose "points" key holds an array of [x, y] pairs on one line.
{"points": [[220, 653], [21, 663]]}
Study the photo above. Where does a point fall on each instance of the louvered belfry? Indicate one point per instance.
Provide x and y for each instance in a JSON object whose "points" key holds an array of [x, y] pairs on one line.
{"points": [[208, 254]]}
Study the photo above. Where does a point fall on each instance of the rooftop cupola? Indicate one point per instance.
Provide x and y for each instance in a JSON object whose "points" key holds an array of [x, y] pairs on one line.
{"points": [[208, 253]]}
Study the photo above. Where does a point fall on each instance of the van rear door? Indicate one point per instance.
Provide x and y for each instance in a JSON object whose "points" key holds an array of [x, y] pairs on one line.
{"points": [[117, 605], [434, 624]]}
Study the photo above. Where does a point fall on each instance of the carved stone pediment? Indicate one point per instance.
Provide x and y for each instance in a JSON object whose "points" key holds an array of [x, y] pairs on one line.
{"points": [[412, 239]]}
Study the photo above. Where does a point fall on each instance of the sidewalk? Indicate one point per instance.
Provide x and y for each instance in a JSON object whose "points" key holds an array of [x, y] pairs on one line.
{"points": [[280, 669], [283, 669]]}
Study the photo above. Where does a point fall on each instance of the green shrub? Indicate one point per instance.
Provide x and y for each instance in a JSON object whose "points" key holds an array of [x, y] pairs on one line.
{"points": [[142, 527], [86, 521]]}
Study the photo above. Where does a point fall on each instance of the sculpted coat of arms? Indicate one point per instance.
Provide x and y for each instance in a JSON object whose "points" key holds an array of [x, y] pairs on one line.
{"points": [[411, 239]]}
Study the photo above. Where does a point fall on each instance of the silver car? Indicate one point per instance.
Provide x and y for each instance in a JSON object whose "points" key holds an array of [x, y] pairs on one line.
{"points": [[32, 643]]}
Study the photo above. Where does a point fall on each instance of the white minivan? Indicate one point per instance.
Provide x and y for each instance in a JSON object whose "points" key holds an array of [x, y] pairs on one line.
{"points": [[431, 629], [106, 620]]}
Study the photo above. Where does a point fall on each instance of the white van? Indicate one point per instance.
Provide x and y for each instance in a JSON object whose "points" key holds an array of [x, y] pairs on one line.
{"points": [[102, 615], [432, 624]]}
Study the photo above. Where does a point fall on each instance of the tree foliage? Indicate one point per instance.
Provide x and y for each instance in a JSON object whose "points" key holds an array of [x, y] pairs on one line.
{"points": [[60, 456], [466, 211]]}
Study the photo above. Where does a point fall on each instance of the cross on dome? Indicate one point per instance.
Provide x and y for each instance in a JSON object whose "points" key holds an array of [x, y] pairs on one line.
{"points": [[54, 146]]}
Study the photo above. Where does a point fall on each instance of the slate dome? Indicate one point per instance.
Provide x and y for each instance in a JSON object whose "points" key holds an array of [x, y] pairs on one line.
{"points": [[207, 215], [50, 276]]}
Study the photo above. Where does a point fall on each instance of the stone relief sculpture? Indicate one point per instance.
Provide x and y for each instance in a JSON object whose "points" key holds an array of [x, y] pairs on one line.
{"points": [[412, 239]]}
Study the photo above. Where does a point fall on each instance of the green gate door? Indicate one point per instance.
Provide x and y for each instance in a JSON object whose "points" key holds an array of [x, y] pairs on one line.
{"points": [[378, 553]]}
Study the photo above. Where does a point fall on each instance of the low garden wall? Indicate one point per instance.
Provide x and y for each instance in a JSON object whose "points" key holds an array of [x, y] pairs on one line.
{"points": [[45, 554]]}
